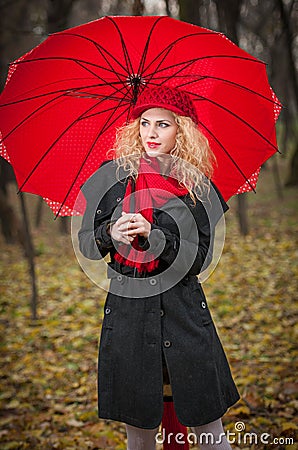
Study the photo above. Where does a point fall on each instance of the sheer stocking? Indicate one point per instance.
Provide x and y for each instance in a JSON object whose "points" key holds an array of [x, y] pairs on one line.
{"points": [[209, 437], [140, 438], [212, 436]]}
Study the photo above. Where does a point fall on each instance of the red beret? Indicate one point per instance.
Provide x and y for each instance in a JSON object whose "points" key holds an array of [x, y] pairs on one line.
{"points": [[165, 97]]}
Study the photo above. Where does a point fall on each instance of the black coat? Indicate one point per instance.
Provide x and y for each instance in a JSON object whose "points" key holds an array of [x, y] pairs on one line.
{"points": [[164, 314]]}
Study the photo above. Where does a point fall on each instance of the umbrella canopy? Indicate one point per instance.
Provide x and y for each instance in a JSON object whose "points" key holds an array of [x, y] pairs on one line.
{"points": [[64, 100]]}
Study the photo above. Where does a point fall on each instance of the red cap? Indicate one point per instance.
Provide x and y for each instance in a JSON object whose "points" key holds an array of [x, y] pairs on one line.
{"points": [[168, 98]]}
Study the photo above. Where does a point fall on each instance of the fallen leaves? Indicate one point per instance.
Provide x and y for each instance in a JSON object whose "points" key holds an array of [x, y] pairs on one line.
{"points": [[49, 367]]}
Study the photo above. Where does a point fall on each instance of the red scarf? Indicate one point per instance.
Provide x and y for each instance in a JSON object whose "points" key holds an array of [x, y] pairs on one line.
{"points": [[151, 190]]}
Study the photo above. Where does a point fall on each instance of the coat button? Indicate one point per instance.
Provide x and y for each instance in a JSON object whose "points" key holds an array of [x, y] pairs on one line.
{"points": [[167, 344], [152, 281], [98, 211], [162, 313], [203, 304], [119, 199], [108, 310], [119, 278]]}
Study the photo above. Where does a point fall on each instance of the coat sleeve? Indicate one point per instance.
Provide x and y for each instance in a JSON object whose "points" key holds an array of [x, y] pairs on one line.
{"points": [[94, 241], [192, 253]]}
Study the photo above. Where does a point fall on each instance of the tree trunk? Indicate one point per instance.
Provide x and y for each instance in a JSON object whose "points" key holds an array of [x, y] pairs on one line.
{"points": [[30, 256], [289, 40], [276, 177], [242, 214], [64, 225], [190, 11], [10, 224], [289, 47], [58, 11], [168, 8], [38, 214], [293, 177], [138, 8]]}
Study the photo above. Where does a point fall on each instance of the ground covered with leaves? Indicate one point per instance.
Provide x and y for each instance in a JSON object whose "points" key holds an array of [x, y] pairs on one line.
{"points": [[48, 366]]}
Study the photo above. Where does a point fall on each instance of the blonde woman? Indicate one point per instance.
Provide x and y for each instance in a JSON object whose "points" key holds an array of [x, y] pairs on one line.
{"points": [[160, 358]]}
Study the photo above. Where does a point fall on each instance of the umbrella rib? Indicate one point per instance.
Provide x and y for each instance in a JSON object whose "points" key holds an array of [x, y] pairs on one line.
{"points": [[212, 34], [172, 44], [111, 68], [124, 48], [200, 97], [107, 83], [97, 113], [30, 115], [191, 61], [93, 73], [101, 49], [97, 45], [160, 63], [146, 48], [103, 130], [64, 93], [228, 154], [224, 80], [65, 58], [52, 145], [119, 99], [56, 140]]}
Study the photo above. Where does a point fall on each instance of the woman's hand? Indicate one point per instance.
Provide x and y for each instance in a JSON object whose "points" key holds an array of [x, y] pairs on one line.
{"points": [[128, 226]]}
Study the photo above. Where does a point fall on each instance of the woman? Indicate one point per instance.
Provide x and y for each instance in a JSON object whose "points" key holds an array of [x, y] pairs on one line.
{"points": [[156, 220]]}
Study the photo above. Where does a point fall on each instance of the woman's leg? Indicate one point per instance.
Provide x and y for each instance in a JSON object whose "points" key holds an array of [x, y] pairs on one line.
{"points": [[212, 436], [140, 438]]}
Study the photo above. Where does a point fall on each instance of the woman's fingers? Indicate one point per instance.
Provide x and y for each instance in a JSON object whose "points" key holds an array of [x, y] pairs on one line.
{"points": [[129, 225], [141, 227]]}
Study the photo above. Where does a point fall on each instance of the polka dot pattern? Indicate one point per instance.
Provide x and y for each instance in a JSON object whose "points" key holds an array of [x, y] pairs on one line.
{"points": [[277, 105], [250, 184], [63, 210], [3, 150], [13, 66], [64, 100]]}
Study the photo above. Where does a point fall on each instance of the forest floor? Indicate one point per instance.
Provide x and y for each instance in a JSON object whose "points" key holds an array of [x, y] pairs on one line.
{"points": [[48, 366]]}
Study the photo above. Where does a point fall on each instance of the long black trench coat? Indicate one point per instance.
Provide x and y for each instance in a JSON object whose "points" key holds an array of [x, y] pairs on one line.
{"points": [[162, 319]]}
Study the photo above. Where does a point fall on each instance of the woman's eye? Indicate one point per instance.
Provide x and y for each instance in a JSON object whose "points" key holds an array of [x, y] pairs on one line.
{"points": [[163, 125], [144, 124]]}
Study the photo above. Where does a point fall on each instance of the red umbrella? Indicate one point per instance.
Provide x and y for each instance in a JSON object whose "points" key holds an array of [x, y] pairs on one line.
{"points": [[63, 101]]}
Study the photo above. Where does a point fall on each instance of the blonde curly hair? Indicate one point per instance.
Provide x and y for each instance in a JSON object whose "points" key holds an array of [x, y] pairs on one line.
{"points": [[193, 159]]}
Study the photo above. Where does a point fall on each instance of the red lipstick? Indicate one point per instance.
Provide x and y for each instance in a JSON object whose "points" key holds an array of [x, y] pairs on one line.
{"points": [[153, 145]]}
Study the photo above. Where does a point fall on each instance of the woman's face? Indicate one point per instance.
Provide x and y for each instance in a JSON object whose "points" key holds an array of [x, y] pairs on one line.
{"points": [[158, 131]]}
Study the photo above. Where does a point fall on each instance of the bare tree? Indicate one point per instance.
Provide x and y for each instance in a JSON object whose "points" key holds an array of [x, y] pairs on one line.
{"points": [[138, 8], [13, 22], [190, 11], [289, 37], [57, 14]]}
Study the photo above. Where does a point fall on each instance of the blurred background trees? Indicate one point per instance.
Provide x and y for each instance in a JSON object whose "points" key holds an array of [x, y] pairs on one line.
{"points": [[48, 370], [264, 28], [267, 29]]}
